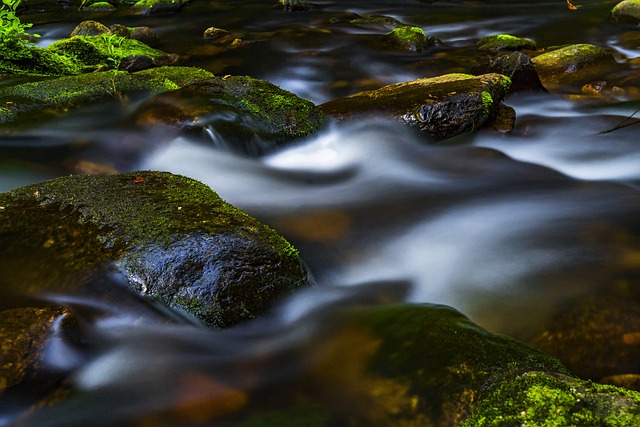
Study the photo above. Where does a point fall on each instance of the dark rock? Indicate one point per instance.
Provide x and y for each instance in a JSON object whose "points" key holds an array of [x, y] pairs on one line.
{"points": [[173, 238], [574, 64], [214, 33], [381, 22], [519, 68], [499, 42], [295, 5], [627, 11], [143, 34], [252, 116], [150, 7], [442, 106]]}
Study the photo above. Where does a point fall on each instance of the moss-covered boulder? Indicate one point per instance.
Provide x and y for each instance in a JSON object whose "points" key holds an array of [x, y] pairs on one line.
{"points": [[32, 103], [111, 50], [150, 7], [425, 365], [408, 37], [573, 64], [500, 42], [251, 116], [173, 238], [441, 107], [33, 60], [627, 11]]}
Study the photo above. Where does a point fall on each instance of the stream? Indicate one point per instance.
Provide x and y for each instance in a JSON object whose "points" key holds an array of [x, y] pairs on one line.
{"points": [[510, 229]]}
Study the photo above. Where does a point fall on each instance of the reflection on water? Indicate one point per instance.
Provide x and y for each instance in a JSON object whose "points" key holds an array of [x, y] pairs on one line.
{"points": [[506, 228]]}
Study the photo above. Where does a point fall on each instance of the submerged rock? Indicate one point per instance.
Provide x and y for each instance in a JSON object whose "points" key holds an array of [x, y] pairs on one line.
{"points": [[573, 64], [29, 104], [441, 107], [428, 365], [174, 239], [252, 115]]}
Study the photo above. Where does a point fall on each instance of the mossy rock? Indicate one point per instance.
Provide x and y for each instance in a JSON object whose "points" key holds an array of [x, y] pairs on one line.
{"points": [[441, 107], [546, 399], [295, 5], [378, 21], [573, 64], [150, 7], [627, 11], [32, 103], [111, 50], [33, 60], [253, 116], [90, 28], [518, 67], [501, 42], [173, 238], [408, 37]]}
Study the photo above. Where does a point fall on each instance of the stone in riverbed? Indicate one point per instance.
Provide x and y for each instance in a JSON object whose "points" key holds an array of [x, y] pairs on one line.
{"points": [[174, 239], [574, 64], [519, 68], [627, 11], [505, 42], [441, 107], [408, 37], [252, 116]]}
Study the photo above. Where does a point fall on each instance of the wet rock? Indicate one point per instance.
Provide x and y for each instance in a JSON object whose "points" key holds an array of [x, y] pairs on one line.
{"points": [[24, 333], [519, 68], [380, 22], [627, 11], [46, 99], [252, 115], [90, 28], [573, 64], [441, 107], [214, 33], [500, 42], [173, 238], [150, 7], [143, 34], [101, 7], [431, 366], [597, 339], [408, 37]]}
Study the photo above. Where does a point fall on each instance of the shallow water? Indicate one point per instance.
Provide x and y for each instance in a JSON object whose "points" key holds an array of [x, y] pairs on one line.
{"points": [[509, 229]]}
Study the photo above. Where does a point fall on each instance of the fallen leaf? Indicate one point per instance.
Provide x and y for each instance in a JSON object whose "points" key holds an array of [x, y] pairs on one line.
{"points": [[571, 6], [138, 178]]}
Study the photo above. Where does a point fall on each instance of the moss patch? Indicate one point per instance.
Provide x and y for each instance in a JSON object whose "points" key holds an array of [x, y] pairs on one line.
{"points": [[505, 42]]}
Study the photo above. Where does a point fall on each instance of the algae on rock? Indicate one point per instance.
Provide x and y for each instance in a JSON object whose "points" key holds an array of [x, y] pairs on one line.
{"points": [[173, 237]]}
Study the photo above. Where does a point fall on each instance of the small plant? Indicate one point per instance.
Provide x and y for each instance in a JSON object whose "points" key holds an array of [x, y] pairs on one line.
{"points": [[112, 43], [13, 33]]}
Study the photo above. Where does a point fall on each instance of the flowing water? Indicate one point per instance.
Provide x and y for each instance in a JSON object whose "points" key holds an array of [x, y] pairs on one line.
{"points": [[509, 229]]}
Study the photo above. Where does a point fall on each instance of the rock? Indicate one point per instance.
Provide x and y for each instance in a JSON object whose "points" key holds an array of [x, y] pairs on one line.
{"points": [[519, 68], [627, 11], [29, 104], [173, 238], [143, 34], [295, 5], [596, 339], [90, 28], [23, 333], [407, 37], [99, 7], [253, 115], [378, 22], [573, 64], [33, 60], [441, 107], [111, 50], [501, 42], [427, 365], [214, 33], [150, 7]]}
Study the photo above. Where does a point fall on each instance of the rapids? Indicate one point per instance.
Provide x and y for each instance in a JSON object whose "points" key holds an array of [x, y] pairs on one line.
{"points": [[507, 229]]}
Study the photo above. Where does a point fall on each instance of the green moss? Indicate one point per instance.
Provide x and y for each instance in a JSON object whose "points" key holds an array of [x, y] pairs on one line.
{"points": [[37, 61], [543, 399], [487, 103], [408, 37], [505, 42]]}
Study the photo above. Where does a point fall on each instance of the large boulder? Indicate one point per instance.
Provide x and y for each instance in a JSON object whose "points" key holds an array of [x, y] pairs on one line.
{"points": [[172, 237], [441, 107], [627, 11]]}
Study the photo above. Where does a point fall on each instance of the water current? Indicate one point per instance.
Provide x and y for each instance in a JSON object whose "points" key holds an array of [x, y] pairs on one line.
{"points": [[508, 229]]}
